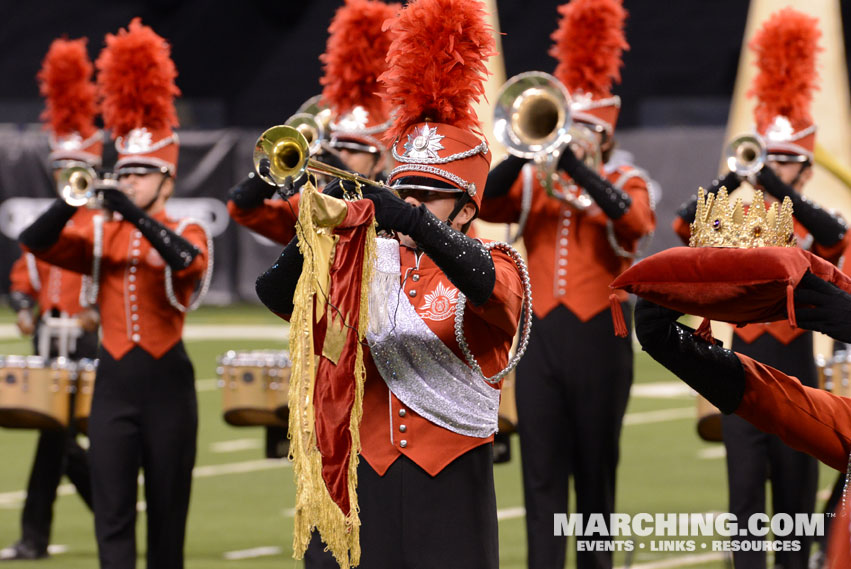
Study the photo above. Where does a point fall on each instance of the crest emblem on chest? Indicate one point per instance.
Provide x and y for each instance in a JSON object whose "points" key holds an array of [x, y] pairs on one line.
{"points": [[438, 304]]}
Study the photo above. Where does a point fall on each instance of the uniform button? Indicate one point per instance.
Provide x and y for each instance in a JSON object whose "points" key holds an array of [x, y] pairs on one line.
{"points": [[562, 271], [132, 287], [134, 317], [561, 282], [415, 278], [137, 234], [136, 242], [132, 298], [562, 262], [132, 278], [133, 269], [561, 292], [563, 241], [402, 412], [412, 293], [136, 252], [134, 261], [136, 337], [135, 327], [403, 443], [134, 308], [403, 428]]}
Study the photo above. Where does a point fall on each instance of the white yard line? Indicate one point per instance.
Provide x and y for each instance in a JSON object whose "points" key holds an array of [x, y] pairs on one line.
{"points": [[683, 561], [660, 416], [661, 390], [236, 445], [265, 551]]}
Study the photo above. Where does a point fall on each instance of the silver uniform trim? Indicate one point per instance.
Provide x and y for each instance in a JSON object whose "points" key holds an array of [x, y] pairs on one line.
{"points": [[469, 187], [482, 148], [416, 365]]}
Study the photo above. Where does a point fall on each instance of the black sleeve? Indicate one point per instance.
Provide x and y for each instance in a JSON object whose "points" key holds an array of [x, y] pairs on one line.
{"points": [[20, 301], [466, 262], [711, 370], [276, 287], [614, 202], [44, 231], [176, 251], [731, 181], [826, 228], [502, 177], [250, 192]]}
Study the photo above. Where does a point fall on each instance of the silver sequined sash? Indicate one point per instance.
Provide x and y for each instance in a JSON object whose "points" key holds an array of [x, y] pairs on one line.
{"points": [[416, 365]]}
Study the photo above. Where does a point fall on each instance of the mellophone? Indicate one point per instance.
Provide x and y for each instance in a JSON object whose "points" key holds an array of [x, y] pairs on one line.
{"points": [[255, 390], [36, 393]]}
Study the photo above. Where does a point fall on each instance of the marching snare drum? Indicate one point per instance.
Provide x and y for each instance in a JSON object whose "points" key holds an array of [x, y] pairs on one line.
{"points": [[86, 371], [35, 393], [254, 384]]}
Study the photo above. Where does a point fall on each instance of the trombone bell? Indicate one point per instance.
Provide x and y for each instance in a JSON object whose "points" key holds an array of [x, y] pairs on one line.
{"points": [[286, 150], [746, 154]]}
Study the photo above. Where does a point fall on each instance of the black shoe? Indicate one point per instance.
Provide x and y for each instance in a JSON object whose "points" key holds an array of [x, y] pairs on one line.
{"points": [[22, 551]]}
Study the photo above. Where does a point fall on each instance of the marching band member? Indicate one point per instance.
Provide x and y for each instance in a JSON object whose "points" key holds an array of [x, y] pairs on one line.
{"points": [[573, 386], [807, 419], [425, 478], [146, 265], [353, 60], [786, 48], [66, 82]]}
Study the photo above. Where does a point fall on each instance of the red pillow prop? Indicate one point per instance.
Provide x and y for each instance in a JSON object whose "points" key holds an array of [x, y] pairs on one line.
{"points": [[739, 286]]}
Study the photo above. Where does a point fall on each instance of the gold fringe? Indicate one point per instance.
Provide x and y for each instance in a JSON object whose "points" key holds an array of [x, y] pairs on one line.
{"points": [[314, 506]]}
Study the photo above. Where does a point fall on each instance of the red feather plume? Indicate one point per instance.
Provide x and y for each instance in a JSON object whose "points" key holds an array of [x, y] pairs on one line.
{"points": [[436, 63], [355, 56], [136, 80], [65, 80], [785, 47], [588, 45]]}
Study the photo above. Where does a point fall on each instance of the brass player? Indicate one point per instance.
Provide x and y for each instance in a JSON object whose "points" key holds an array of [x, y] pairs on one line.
{"points": [[573, 385], [425, 477], [785, 46], [353, 60], [146, 266], [39, 289]]}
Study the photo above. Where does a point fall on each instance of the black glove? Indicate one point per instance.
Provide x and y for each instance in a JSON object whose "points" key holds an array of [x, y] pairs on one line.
{"points": [[250, 192], [44, 231], [614, 202], [823, 307], [176, 251], [711, 370], [826, 228], [466, 262], [20, 301], [276, 287], [502, 177], [730, 181]]}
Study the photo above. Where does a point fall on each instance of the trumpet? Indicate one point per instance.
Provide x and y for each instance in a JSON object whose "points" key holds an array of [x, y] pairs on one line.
{"points": [[79, 185], [532, 120], [746, 154], [282, 155]]}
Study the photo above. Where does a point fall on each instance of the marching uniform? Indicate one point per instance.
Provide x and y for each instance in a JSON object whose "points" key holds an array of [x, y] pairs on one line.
{"points": [[65, 82], [273, 219], [146, 267], [573, 385], [431, 389], [754, 456]]}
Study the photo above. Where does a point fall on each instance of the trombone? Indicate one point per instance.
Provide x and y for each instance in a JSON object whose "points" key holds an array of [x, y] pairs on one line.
{"points": [[79, 185], [532, 120], [746, 154], [282, 156]]}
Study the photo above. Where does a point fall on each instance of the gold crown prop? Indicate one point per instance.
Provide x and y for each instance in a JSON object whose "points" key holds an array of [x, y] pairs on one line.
{"points": [[720, 224]]}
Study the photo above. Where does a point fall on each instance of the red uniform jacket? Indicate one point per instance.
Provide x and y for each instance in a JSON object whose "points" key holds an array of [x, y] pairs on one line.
{"points": [[781, 330], [135, 309], [388, 429], [571, 259], [275, 219], [49, 285], [807, 419]]}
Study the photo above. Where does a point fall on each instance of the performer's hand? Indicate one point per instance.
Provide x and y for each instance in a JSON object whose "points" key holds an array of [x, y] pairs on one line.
{"points": [[25, 322], [391, 212], [117, 201], [569, 161], [653, 323], [338, 188], [89, 319], [768, 180], [823, 307], [730, 181]]}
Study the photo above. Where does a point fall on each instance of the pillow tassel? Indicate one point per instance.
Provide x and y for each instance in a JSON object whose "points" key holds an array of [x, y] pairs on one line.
{"points": [[704, 331], [617, 316]]}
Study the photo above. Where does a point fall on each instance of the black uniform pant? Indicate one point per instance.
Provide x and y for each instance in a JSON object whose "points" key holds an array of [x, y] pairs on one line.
{"points": [[57, 453], [412, 520], [144, 415], [754, 457], [572, 389]]}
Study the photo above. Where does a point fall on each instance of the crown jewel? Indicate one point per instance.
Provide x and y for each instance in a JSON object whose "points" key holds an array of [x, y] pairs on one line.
{"points": [[720, 224]]}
